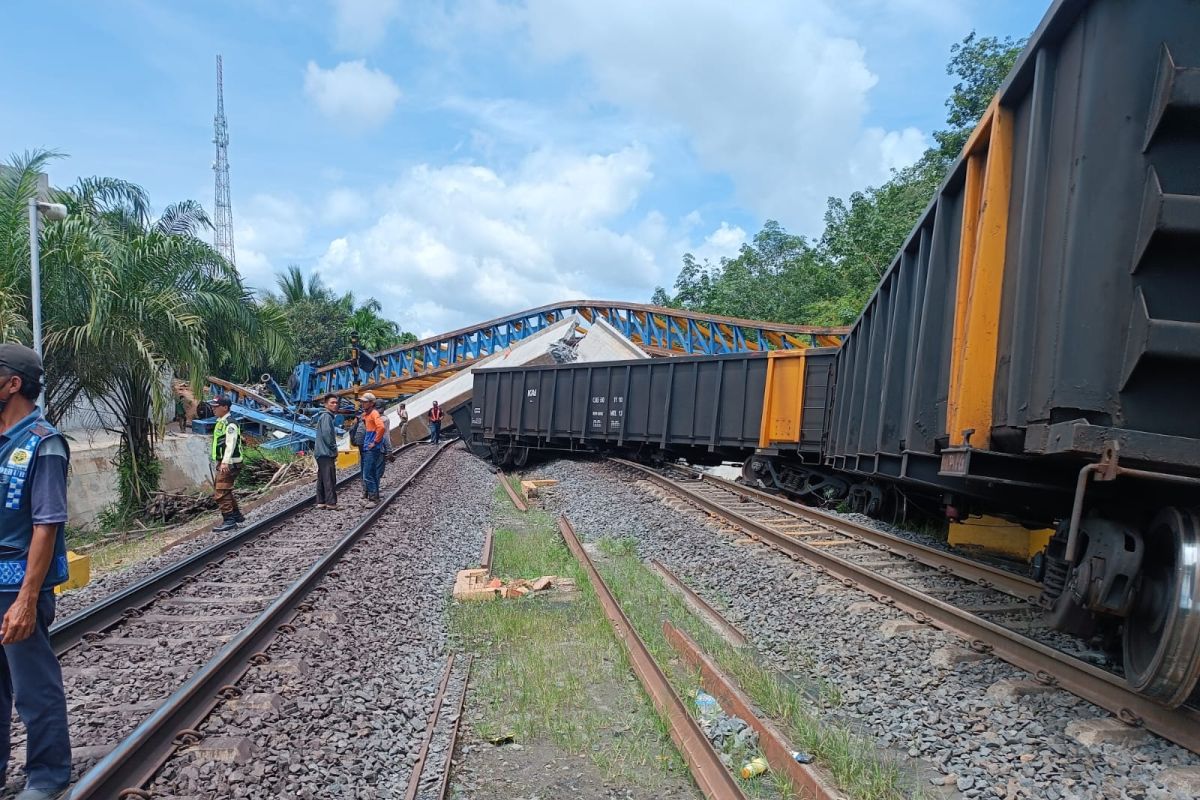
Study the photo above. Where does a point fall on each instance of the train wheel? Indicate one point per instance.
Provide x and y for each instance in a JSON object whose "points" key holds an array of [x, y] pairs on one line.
{"points": [[520, 456], [1162, 631]]}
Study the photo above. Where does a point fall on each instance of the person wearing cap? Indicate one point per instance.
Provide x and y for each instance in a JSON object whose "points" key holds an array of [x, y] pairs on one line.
{"points": [[227, 458], [435, 423], [34, 459], [372, 452]]}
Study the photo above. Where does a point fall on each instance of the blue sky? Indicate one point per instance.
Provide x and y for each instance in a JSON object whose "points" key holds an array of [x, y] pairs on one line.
{"points": [[461, 160]]}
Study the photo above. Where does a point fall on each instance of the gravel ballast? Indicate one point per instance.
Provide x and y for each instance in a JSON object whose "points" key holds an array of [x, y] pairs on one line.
{"points": [[341, 708], [956, 739]]}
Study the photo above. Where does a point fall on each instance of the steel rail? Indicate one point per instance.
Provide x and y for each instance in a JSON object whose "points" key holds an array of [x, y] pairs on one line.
{"points": [[414, 778], [138, 757], [1104, 689], [726, 628], [512, 495], [983, 574], [710, 774], [771, 740], [106, 613], [453, 740], [485, 555]]}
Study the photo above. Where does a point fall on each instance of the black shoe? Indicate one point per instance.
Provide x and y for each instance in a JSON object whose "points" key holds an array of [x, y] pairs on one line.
{"points": [[227, 525], [239, 519]]}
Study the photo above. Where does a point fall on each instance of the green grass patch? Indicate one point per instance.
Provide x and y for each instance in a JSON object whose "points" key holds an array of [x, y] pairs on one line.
{"points": [[551, 670], [855, 764]]}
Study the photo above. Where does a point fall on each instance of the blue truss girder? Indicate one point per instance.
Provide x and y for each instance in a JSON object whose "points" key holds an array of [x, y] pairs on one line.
{"points": [[656, 329]]}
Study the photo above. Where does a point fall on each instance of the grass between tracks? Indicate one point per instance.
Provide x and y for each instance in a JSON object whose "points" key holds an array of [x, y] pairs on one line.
{"points": [[549, 669], [856, 766]]}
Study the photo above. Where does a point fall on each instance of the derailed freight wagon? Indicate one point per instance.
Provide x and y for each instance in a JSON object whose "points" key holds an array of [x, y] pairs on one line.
{"points": [[1034, 349], [707, 409]]}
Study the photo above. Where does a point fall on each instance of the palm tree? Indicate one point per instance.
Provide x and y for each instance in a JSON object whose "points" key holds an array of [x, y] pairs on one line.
{"points": [[128, 302], [374, 332]]}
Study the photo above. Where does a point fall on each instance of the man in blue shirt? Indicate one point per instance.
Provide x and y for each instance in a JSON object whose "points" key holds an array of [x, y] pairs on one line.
{"points": [[33, 560]]}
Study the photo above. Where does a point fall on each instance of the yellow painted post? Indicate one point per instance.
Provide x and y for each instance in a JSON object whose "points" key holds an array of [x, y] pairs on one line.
{"points": [[79, 572], [980, 279]]}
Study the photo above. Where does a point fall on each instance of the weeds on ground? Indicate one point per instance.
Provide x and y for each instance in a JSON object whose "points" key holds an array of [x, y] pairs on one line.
{"points": [[551, 670], [854, 763]]}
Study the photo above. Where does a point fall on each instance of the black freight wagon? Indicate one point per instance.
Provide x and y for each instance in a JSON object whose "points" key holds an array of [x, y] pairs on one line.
{"points": [[1034, 348], [707, 409]]}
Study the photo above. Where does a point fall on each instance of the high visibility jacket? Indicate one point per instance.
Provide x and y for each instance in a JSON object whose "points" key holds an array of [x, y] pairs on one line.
{"points": [[227, 441], [19, 449], [435, 414]]}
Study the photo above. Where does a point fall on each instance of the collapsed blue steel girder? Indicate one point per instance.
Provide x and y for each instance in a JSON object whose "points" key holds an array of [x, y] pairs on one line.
{"points": [[658, 330]]}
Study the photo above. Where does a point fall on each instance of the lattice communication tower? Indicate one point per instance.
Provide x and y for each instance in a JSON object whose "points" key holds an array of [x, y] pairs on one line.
{"points": [[223, 210]]}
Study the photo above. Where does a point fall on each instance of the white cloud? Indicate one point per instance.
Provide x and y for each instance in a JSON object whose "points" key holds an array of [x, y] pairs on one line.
{"points": [[724, 242], [361, 25], [765, 92], [458, 244], [270, 231], [352, 93]]}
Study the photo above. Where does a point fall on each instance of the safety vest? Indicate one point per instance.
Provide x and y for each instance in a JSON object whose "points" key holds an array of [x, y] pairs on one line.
{"points": [[218, 442], [435, 414], [19, 447]]}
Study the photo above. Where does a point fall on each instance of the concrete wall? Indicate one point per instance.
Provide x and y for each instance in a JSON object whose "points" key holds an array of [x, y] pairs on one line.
{"points": [[93, 482]]}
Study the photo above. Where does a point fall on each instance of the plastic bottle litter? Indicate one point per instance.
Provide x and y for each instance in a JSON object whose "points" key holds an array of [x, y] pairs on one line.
{"points": [[755, 766], [802, 758], [707, 707]]}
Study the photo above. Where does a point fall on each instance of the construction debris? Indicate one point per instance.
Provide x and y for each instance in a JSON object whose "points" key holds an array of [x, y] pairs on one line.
{"points": [[475, 584], [530, 488]]}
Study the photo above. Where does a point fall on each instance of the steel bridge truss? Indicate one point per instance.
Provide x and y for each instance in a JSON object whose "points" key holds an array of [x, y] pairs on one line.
{"points": [[657, 330]]}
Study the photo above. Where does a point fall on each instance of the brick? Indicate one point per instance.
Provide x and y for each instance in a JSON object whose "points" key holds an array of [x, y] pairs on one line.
{"points": [[329, 617], [950, 657], [894, 627], [542, 583], [1181, 779], [862, 607], [1105, 730], [1009, 691]]}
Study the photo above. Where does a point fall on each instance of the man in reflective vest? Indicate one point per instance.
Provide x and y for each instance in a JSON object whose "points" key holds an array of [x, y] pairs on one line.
{"points": [[227, 458], [33, 560], [435, 423]]}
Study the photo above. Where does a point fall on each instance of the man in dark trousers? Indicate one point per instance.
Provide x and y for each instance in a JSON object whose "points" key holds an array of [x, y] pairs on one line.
{"points": [[325, 450], [435, 423], [373, 432], [227, 458], [34, 459]]}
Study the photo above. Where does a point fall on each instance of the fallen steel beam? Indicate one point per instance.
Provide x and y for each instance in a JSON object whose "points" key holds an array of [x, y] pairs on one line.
{"points": [[710, 774]]}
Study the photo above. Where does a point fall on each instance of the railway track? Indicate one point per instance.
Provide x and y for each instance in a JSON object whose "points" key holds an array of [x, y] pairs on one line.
{"points": [[989, 609], [145, 665]]}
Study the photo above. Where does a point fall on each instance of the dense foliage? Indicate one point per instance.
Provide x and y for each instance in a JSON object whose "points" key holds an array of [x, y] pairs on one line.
{"points": [[786, 278], [128, 301], [322, 321]]}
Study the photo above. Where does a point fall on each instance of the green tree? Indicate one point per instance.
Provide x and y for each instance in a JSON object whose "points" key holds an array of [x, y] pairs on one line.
{"points": [[322, 321], [782, 277], [128, 302], [981, 64]]}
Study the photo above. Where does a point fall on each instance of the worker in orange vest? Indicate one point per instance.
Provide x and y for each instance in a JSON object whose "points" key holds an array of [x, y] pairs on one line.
{"points": [[435, 423]]}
